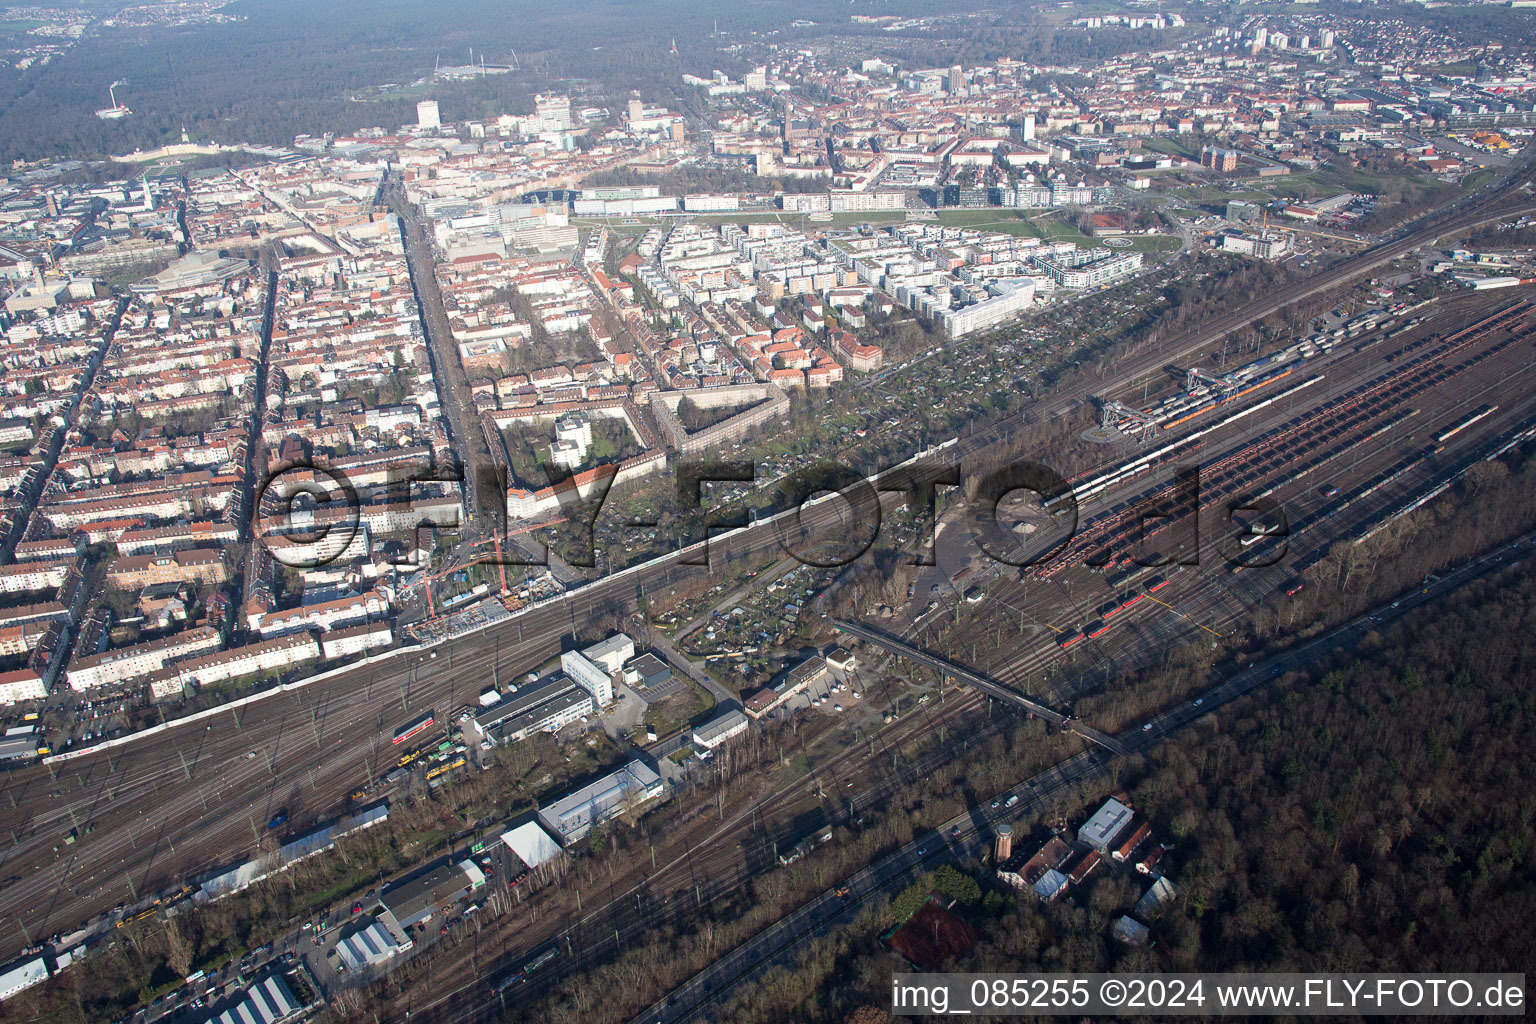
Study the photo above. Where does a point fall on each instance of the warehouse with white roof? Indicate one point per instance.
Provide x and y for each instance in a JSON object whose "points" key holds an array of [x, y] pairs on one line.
{"points": [[1106, 823], [22, 974], [369, 946], [269, 1001], [573, 816], [532, 844]]}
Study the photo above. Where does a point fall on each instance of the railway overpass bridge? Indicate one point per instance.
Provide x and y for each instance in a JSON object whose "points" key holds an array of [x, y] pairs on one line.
{"points": [[970, 677]]}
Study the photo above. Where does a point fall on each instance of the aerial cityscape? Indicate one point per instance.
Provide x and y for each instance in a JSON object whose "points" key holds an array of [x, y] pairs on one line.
{"points": [[784, 512]]}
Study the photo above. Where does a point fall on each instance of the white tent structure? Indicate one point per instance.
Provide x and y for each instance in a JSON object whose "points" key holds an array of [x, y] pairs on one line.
{"points": [[532, 844]]}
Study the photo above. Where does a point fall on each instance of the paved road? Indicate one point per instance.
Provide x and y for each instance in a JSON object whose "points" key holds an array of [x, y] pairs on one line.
{"points": [[692, 670], [154, 829], [619, 591], [967, 834], [468, 440], [167, 809]]}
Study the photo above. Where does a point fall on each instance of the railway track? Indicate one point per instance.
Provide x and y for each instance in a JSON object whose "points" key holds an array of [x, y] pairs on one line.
{"points": [[169, 810], [1360, 410], [1266, 456], [714, 869], [1359, 426]]}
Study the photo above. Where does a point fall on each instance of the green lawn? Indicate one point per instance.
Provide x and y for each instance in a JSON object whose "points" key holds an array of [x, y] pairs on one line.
{"points": [[1009, 226], [1327, 181], [1002, 220], [1151, 244], [1060, 231], [972, 217], [1171, 145], [1477, 179]]}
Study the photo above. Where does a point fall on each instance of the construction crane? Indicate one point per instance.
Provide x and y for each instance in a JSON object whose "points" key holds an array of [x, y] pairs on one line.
{"points": [[427, 579], [501, 565]]}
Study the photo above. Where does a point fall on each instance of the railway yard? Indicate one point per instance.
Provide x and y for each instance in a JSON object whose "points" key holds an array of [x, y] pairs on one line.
{"points": [[774, 523], [1211, 502], [1339, 444], [1389, 418], [1387, 421]]}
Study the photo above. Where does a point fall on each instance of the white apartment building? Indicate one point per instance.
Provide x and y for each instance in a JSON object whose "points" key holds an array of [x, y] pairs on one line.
{"points": [[125, 663], [592, 678], [1007, 300], [264, 656], [21, 685], [720, 729], [327, 615], [1264, 248], [1090, 275], [858, 202], [344, 643], [30, 576], [612, 653], [553, 108], [573, 439]]}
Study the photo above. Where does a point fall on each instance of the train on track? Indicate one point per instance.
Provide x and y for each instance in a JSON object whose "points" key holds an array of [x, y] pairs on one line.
{"points": [[535, 961], [414, 728]]}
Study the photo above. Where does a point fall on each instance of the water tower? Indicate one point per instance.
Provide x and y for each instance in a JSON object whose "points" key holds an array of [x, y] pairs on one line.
{"points": [[1004, 848]]}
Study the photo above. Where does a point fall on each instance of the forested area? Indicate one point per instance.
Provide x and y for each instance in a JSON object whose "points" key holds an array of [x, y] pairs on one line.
{"points": [[1401, 199], [1483, 510], [1501, 237], [695, 417], [293, 67], [1373, 815], [996, 750], [1512, 26], [1021, 33]]}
